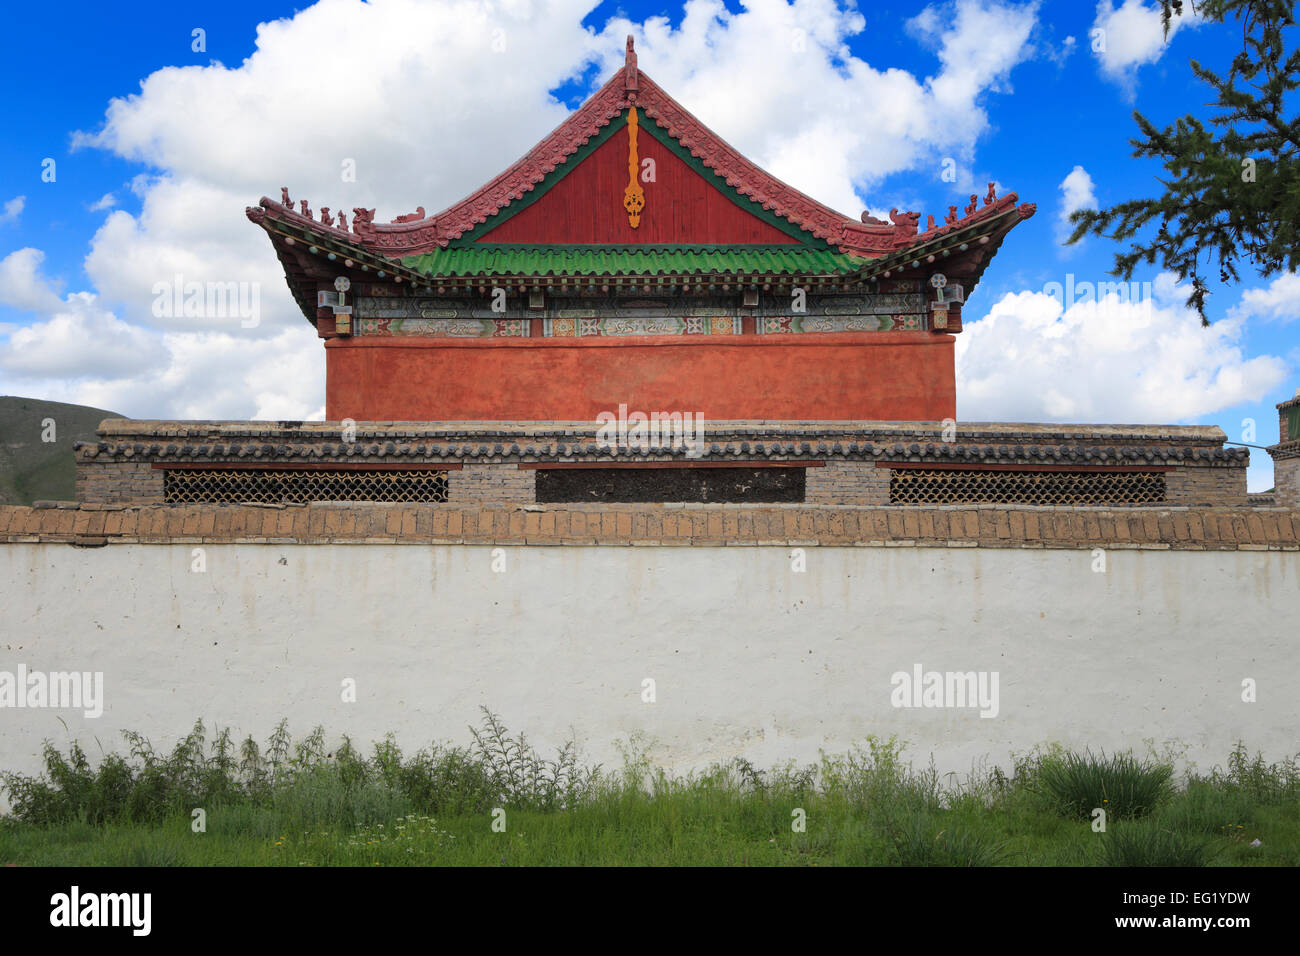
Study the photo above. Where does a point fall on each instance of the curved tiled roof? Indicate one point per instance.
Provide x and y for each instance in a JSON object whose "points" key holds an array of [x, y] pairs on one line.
{"points": [[493, 260], [418, 234]]}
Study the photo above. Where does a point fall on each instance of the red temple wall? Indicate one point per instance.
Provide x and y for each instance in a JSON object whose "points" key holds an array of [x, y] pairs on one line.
{"points": [[586, 206], [881, 376]]}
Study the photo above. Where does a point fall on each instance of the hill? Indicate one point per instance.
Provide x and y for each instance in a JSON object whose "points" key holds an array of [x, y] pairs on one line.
{"points": [[30, 468]]}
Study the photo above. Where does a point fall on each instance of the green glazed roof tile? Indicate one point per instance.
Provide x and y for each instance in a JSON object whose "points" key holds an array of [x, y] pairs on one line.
{"points": [[495, 260]]}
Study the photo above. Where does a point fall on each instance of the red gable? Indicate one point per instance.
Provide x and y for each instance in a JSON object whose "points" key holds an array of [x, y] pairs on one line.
{"points": [[681, 204]]}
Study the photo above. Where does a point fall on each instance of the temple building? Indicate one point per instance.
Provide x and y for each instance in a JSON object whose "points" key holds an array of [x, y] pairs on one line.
{"points": [[633, 257], [635, 312]]}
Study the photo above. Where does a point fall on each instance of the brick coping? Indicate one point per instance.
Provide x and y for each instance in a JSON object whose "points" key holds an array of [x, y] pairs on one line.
{"points": [[990, 526], [124, 441], [125, 428]]}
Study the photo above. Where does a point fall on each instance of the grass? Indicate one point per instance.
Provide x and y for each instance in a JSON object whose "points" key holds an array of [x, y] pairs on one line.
{"points": [[498, 802], [1080, 784], [1146, 844]]}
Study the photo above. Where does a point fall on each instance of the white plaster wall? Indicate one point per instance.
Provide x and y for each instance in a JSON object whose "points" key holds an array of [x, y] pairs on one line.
{"points": [[748, 657]]}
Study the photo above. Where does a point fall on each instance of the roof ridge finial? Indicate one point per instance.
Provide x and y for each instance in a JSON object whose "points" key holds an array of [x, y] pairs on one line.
{"points": [[630, 82]]}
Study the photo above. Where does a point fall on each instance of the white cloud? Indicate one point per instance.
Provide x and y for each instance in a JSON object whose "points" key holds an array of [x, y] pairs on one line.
{"points": [[215, 375], [1077, 192], [106, 201], [81, 352], [1279, 300], [1148, 361], [778, 83], [1068, 46], [22, 286], [78, 336], [173, 236], [12, 210], [247, 130], [85, 355], [1131, 36], [222, 137], [430, 100]]}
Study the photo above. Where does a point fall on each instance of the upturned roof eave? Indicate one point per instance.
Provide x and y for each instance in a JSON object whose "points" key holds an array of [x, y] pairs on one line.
{"points": [[284, 224], [927, 249]]}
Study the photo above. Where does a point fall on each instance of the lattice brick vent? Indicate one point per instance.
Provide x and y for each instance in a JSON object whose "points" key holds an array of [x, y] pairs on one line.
{"points": [[958, 486], [301, 485]]}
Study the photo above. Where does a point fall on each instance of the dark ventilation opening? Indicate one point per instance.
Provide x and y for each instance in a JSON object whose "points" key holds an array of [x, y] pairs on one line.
{"points": [[276, 485], [650, 485]]}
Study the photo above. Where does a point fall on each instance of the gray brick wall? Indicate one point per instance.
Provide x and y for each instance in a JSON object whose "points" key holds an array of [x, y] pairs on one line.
{"points": [[1224, 486], [838, 482], [1286, 481], [847, 483], [122, 482], [492, 482]]}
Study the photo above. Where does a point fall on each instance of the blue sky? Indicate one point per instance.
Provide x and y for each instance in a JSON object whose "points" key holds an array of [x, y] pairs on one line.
{"points": [[862, 117]]}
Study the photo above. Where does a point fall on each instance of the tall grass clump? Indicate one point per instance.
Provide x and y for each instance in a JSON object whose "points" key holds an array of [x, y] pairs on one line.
{"points": [[1205, 808], [1263, 783], [1145, 843], [875, 778], [303, 780], [924, 840], [1122, 785], [522, 778], [146, 787]]}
